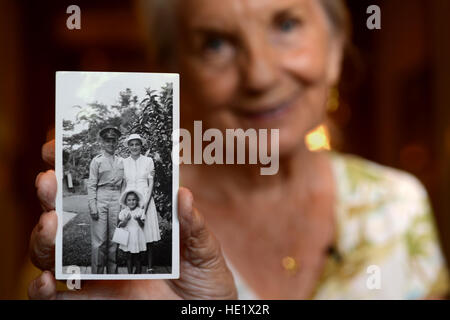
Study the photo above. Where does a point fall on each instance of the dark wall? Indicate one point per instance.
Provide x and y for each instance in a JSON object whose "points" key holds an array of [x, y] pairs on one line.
{"points": [[393, 106]]}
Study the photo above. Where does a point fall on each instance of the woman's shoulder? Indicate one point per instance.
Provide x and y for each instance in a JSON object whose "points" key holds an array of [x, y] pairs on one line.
{"points": [[388, 201], [384, 214], [142, 158], [147, 160], [126, 159], [356, 175]]}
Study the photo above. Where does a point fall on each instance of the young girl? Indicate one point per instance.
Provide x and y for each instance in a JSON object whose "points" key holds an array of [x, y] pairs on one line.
{"points": [[132, 219]]}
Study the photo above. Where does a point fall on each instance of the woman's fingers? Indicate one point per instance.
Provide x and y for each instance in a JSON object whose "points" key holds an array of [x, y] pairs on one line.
{"points": [[42, 243], [46, 187], [203, 270], [43, 287], [48, 152], [45, 183]]}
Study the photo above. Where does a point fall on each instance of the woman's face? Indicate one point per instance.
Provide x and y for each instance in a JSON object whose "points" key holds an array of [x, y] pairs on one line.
{"points": [[135, 147], [257, 64]]}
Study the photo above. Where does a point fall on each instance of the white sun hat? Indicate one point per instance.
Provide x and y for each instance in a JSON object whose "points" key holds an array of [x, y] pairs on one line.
{"points": [[123, 197], [134, 136]]}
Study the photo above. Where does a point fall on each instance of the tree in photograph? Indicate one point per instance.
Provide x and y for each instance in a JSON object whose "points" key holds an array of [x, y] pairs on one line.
{"points": [[79, 148], [154, 124]]}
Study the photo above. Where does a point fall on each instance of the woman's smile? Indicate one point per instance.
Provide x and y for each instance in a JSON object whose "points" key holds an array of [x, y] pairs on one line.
{"points": [[268, 112]]}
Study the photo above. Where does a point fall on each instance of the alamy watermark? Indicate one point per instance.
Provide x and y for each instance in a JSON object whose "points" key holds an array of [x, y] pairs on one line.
{"points": [[373, 281], [74, 281], [256, 142], [74, 20], [374, 20]]}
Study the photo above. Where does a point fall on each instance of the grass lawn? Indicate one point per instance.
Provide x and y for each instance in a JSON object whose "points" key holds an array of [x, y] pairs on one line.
{"points": [[77, 241], [77, 237]]}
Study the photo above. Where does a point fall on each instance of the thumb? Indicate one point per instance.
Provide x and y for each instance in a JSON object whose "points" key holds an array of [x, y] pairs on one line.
{"points": [[198, 245], [204, 273]]}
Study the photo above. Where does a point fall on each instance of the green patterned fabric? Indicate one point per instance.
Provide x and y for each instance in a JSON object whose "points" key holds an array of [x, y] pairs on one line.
{"points": [[385, 231]]}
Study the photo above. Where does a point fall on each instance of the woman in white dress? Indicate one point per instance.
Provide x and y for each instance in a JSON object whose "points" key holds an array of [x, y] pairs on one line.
{"points": [[139, 172]]}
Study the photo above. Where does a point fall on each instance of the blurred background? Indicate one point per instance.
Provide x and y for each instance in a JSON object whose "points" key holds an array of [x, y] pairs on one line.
{"points": [[393, 104]]}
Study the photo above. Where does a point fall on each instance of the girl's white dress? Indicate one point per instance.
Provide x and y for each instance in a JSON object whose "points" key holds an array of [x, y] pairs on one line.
{"points": [[136, 239], [139, 175]]}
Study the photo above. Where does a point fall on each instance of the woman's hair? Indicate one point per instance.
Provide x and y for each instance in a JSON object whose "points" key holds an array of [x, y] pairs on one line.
{"points": [[159, 19], [339, 16]]}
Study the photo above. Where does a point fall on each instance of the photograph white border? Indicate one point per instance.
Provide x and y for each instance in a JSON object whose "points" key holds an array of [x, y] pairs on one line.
{"points": [[175, 268]]}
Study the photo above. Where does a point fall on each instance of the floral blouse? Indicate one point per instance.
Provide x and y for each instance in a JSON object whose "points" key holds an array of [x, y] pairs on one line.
{"points": [[386, 245]]}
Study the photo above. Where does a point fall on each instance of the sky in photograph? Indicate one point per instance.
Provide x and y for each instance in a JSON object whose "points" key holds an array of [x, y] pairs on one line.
{"points": [[81, 88]]}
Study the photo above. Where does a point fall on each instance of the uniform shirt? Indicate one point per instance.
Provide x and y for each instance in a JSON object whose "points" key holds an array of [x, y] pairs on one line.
{"points": [[105, 170]]}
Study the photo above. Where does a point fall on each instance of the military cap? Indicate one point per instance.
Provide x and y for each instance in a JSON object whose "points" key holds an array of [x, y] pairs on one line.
{"points": [[110, 133]]}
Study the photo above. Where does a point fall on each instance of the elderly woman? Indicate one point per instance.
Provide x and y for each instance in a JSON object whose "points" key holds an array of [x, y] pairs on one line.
{"points": [[327, 226], [139, 172]]}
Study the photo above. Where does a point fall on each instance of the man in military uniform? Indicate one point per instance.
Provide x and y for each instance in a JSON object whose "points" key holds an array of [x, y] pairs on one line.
{"points": [[104, 187]]}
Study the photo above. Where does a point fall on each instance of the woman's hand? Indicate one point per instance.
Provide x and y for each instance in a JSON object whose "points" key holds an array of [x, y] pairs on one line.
{"points": [[203, 271]]}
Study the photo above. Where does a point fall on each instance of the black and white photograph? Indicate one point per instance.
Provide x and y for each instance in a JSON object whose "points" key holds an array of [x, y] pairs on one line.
{"points": [[117, 182]]}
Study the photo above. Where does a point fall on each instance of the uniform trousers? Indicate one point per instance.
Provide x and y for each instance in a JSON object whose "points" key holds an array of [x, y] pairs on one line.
{"points": [[102, 230]]}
